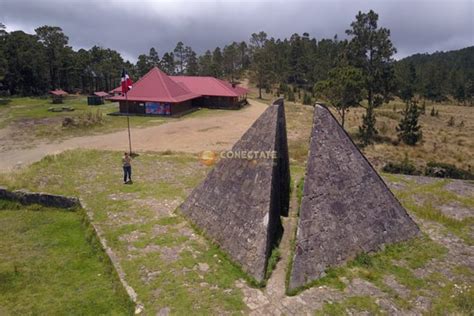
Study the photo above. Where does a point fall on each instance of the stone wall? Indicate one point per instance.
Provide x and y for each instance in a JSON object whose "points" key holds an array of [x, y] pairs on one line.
{"points": [[346, 207], [239, 203], [44, 199]]}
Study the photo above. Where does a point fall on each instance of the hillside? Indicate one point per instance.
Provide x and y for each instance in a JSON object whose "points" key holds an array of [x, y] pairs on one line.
{"points": [[441, 74]]}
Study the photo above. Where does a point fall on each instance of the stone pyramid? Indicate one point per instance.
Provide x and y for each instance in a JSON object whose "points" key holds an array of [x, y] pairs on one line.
{"points": [[239, 203], [346, 207]]}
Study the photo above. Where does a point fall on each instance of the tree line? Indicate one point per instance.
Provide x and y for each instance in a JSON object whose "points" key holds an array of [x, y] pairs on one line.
{"points": [[31, 64], [343, 72]]}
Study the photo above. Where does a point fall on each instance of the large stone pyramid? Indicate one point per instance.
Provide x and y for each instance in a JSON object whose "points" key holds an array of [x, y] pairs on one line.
{"points": [[240, 202], [346, 207]]}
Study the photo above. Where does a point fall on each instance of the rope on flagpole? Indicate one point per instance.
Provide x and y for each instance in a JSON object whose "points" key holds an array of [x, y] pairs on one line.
{"points": [[128, 124]]}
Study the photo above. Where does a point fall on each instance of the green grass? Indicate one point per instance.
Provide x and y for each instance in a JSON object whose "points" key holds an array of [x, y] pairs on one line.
{"points": [[351, 304], [33, 112], [160, 264], [434, 196], [272, 262], [48, 267], [416, 253]]}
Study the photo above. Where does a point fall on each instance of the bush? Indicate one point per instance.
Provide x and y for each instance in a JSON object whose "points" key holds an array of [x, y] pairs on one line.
{"points": [[291, 95], [307, 99], [86, 119], [423, 108], [451, 121], [444, 170], [404, 167]]}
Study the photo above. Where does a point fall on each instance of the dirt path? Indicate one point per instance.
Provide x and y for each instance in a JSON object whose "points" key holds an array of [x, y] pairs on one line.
{"points": [[213, 132]]}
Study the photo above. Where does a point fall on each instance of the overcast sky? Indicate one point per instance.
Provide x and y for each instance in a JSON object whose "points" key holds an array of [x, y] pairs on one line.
{"points": [[417, 26]]}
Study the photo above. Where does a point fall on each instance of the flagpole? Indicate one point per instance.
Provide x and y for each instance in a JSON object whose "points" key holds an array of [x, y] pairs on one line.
{"points": [[128, 124]]}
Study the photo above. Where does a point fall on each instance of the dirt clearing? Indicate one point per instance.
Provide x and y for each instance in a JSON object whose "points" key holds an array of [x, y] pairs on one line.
{"points": [[193, 135]]}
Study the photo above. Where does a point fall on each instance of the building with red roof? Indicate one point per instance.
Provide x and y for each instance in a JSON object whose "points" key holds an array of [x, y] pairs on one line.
{"points": [[159, 94], [58, 95], [215, 93], [101, 94]]}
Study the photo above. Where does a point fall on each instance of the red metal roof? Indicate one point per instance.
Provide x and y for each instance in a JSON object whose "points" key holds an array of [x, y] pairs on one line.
{"points": [[118, 89], [210, 86], [58, 92], [156, 86], [101, 94]]}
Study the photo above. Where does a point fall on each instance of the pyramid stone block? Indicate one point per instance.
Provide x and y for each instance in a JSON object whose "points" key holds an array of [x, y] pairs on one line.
{"points": [[346, 207], [239, 203]]}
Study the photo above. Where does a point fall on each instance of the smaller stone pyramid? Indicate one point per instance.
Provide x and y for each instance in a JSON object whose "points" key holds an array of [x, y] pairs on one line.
{"points": [[346, 207], [239, 203]]}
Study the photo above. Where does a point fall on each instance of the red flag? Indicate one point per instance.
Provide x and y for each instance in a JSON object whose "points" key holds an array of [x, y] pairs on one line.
{"points": [[126, 82]]}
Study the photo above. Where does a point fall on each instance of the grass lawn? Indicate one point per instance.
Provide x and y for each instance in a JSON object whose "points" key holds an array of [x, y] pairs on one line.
{"points": [[172, 267], [49, 268], [165, 260], [32, 113]]}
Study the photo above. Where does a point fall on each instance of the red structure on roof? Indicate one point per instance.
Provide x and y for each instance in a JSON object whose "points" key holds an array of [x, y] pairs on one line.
{"points": [[210, 86], [101, 94], [156, 86], [58, 92]]}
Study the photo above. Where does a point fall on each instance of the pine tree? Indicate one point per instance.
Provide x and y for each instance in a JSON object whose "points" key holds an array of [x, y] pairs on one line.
{"points": [[408, 129], [367, 131], [371, 50]]}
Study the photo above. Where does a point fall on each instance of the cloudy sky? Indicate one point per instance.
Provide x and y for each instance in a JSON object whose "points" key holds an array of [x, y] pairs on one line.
{"points": [[132, 27]]}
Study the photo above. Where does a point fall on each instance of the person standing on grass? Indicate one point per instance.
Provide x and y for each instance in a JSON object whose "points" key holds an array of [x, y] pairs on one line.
{"points": [[127, 168]]}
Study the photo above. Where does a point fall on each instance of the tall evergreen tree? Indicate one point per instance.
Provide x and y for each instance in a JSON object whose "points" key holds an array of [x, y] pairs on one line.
{"points": [[153, 58], [180, 55], [407, 83], [27, 66], [192, 67], [371, 50], [217, 63], [54, 40], [205, 64], [3, 58], [168, 64], [261, 60], [230, 58], [143, 65]]}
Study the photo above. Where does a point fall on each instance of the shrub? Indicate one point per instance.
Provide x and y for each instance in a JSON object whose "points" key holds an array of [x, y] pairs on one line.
{"points": [[307, 99], [444, 170], [423, 108], [291, 95], [86, 119], [451, 121], [403, 167]]}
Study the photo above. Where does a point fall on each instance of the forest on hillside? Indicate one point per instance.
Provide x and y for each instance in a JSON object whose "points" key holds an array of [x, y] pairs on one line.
{"points": [[32, 64]]}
